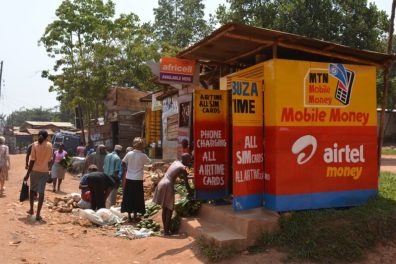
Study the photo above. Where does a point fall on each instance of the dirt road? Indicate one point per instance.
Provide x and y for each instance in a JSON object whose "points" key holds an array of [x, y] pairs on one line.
{"points": [[61, 240]]}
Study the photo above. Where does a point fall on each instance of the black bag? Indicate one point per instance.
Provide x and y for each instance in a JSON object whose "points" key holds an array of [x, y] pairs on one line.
{"points": [[24, 195], [49, 179]]}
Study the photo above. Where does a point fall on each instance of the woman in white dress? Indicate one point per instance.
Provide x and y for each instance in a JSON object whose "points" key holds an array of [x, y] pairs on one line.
{"points": [[4, 164]]}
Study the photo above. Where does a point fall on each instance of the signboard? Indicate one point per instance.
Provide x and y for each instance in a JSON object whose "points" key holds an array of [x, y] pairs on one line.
{"points": [[211, 144], [320, 136], [156, 105], [247, 143], [176, 70]]}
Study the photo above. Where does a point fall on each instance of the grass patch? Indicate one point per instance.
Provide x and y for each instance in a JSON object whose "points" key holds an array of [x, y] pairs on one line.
{"points": [[336, 235], [213, 252], [388, 151]]}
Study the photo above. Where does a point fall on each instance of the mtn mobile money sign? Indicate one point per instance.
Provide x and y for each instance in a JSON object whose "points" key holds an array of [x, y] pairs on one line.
{"points": [[247, 143], [211, 144], [321, 135], [175, 70]]}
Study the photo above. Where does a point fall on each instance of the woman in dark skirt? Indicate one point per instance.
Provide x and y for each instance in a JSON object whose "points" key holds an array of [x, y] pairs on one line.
{"points": [[133, 197]]}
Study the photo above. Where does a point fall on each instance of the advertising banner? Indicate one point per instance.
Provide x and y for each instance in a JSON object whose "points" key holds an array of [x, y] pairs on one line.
{"points": [[176, 70], [321, 138], [211, 144], [247, 143]]}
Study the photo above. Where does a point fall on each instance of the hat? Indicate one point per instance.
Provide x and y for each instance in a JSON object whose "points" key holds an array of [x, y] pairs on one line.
{"points": [[138, 143], [2, 139], [118, 147], [101, 146], [93, 167]]}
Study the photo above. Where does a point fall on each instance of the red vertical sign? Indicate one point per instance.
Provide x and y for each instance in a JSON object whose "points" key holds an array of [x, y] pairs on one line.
{"points": [[211, 144]]}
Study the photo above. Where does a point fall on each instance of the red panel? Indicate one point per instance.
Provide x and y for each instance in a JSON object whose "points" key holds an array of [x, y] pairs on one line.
{"points": [[345, 158]]}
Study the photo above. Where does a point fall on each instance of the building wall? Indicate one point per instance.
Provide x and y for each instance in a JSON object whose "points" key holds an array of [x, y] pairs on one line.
{"points": [[170, 110]]}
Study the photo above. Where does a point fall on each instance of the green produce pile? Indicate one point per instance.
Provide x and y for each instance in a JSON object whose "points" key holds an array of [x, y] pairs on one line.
{"points": [[151, 210], [66, 162], [149, 224], [186, 206]]}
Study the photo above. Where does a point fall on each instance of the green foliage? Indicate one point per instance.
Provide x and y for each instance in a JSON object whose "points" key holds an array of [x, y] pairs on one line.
{"points": [[94, 51], [179, 23], [185, 206], [213, 252], [388, 151], [349, 22], [337, 235], [17, 118]]}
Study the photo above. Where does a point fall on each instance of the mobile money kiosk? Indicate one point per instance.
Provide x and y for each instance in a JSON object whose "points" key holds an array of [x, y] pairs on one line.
{"points": [[296, 131]]}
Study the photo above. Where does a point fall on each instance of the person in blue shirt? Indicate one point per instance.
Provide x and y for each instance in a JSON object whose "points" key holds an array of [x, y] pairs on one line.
{"points": [[111, 167]]}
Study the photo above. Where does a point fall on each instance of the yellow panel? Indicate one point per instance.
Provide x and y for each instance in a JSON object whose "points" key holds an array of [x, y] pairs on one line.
{"points": [[300, 93]]}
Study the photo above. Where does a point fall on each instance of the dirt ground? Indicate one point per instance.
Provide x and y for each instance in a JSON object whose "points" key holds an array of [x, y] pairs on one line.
{"points": [[61, 239]]}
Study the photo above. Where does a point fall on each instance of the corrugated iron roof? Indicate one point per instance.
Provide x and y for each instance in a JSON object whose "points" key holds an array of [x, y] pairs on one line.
{"points": [[234, 43], [34, 131], [46, 123]]}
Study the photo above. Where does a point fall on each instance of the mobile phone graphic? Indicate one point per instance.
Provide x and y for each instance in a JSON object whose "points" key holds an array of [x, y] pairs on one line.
{"points": [[345, 81]]}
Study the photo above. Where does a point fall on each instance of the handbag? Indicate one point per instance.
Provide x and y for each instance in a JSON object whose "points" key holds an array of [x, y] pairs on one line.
{"points": [[24, 195], [49, 179]]}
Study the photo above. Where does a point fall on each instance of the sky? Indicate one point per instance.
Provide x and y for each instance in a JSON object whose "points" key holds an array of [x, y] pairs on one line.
{"points": [[22, 23]]}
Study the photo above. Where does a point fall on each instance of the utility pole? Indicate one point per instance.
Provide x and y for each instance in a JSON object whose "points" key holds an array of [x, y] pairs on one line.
{"points": [[1, 74]]}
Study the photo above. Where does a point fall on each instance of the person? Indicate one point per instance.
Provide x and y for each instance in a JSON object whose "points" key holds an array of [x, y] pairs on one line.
{"points": [[40, 161], [111, 167], [185, 147], [28, 152], [164, 193], [96, 158], [89, 149], [80, 150], [133, 162], [58, 171], [122, 172], [5, 164], [85, 202], [100, 185]]}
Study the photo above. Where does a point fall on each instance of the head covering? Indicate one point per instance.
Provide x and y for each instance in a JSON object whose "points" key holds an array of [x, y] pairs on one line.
{"points": [[118, 147], [2, 140], [138, 143], [101, 146], [92, 167], [129, 149]]}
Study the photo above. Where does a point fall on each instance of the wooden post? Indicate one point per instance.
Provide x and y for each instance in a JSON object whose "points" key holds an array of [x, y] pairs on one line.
{"points": [[385, 87]]}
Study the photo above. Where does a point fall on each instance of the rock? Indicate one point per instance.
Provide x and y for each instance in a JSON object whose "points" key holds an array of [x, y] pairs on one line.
{"points": [[14, 243]]}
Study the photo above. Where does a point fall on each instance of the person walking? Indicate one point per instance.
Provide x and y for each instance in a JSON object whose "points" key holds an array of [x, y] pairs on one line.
{"points": [[111, 167], [5, 164], [164, 193], [58, 171], [40, 161], [133, 162]]}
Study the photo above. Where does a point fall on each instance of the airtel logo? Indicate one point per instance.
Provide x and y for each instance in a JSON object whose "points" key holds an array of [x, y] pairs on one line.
{"points": [[301, 144]]}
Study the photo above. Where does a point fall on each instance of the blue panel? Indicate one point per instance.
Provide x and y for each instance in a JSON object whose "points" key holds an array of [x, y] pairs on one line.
{"points": [[199, 195], [293, 202], [247, 202]]}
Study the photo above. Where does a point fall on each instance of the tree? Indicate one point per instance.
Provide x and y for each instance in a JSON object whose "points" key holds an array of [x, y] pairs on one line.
{"points": [[94, 51], [18, 117], [179, 23], [349, 22]]}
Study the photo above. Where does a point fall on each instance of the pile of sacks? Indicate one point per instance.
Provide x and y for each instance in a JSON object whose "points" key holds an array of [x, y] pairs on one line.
{"points": [[103, 216]]}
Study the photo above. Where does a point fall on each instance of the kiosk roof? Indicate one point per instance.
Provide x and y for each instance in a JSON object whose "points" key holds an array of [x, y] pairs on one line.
{"points": [[233, 43]]}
